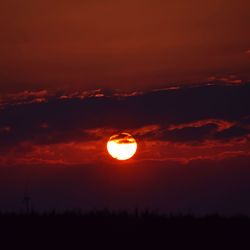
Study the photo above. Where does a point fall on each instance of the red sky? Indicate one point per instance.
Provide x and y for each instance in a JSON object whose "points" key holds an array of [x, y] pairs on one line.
{"points": [[175, 74], [121, 44]]}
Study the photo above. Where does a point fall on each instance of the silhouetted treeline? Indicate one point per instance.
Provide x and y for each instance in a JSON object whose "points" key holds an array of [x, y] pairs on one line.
{"points": [[124, 230]]}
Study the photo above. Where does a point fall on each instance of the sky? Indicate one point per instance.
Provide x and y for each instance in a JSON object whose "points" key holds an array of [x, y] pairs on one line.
{"points": [[175, 75], [121, 44]]}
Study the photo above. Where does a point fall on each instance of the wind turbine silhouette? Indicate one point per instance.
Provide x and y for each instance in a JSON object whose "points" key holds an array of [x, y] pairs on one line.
{"points": [[27, 200]]}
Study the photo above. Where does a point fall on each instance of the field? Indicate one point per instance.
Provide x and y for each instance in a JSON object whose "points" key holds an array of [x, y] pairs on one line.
{"points": [[122, 230]]}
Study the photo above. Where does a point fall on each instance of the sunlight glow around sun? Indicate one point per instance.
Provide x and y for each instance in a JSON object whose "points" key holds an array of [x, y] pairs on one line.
{"points": [[122, 146]]}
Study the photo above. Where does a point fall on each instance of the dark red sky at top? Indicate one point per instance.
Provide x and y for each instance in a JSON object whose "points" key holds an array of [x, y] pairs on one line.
{"points": [[121, 44], [174, 74]]}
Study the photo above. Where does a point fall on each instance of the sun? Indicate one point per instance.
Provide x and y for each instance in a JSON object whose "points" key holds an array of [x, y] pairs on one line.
{"points": [[122, 146]]}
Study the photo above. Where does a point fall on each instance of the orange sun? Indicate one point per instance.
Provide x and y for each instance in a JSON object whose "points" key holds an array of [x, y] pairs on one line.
{"points": [[122, 146]]}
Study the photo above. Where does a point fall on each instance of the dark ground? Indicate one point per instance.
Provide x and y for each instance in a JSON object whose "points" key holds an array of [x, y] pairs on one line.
{"points": [[105, 230]]}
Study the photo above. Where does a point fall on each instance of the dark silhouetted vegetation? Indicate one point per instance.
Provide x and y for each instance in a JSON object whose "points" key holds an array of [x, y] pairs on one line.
{"points": [[123, 230]]}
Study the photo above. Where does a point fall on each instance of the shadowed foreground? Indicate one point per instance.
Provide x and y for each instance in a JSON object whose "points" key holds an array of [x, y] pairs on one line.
{"points": [[123, 230]]}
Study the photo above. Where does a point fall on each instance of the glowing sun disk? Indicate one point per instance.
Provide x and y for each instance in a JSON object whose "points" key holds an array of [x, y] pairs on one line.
{"points": [[122, 146]]}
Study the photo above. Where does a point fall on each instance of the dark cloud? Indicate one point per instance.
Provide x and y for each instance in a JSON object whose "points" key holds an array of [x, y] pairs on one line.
{"points": [[233, 132], [122, 138], [62, 120], [190, 134]]}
